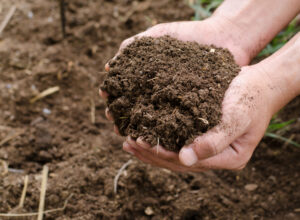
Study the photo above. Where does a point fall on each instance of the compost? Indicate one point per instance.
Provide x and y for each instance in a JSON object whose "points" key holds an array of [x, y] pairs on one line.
{"points": [[168, 91]]}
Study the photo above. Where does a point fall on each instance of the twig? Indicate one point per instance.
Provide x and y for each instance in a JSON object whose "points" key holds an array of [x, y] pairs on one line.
{"points": [[45, 93], [43, 192], [119, 174], [5, 167], [93, 111], [63, 17], [7, 18], [36, 213], [12, 170], [21, 204], [287, 142], [8, 138]]}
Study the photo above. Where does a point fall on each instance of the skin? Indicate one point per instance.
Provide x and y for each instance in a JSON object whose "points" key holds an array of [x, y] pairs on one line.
{"points": [[257, 93]]}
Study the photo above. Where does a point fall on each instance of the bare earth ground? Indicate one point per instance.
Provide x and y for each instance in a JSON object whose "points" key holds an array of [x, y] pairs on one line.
{"points": [[84, 157]]}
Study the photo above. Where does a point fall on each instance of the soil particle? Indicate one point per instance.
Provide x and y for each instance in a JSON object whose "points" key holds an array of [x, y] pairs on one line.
{"points": [[168, 90]]}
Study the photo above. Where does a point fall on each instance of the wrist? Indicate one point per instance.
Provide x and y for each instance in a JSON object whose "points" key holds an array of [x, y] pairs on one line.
{"points": [[282, 71], [229, 36], [257, 21]]}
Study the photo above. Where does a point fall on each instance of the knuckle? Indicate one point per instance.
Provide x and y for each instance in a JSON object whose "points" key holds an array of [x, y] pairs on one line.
{"points": [[212, 147]]}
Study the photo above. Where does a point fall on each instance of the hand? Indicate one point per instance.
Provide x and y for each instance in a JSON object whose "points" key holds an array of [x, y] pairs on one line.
{"points": [[215, 30], [247, 110], [209, 31]]}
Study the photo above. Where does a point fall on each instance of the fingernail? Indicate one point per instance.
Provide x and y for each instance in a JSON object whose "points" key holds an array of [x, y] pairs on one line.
{"points": [[188, 156], [130, 152], [126, 147], [143, 144], [106, 67]]}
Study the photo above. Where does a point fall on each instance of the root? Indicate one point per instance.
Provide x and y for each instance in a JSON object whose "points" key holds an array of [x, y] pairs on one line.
{"points": [[119, 174]]}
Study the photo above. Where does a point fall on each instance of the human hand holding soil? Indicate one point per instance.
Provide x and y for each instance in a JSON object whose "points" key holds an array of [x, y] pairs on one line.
{"points": [[252, 98]]}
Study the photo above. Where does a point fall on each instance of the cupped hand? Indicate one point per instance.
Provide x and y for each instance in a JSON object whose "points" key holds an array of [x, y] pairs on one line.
{"points": [[246, 114], [231, 144], [214, 30]]}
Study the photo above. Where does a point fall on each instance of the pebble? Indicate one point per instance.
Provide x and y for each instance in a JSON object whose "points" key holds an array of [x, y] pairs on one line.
{"points": [[149, 211], [251, 187], [30, 14], [46, 111]]}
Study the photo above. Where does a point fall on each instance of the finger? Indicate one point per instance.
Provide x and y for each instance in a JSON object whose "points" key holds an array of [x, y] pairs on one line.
{"points": [[116, 130], [128, 148], [132, 142], [103, 94], [124, 44], [152, 159], [157, 150], [156, 161], [106, 67], [108, 115], [207, 145], [234, 157], [142, 143]]}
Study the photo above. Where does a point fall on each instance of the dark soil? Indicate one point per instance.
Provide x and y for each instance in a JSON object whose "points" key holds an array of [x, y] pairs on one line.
{"points": [[168, 91], [84, 157]]}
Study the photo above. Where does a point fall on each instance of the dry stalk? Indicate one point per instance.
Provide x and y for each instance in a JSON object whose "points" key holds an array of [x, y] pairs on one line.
{"points": [[21, 204], [12, 170], [119, 174], [93, 118], [37, 213], [43, 192], [8, 138], [286, 143], [5, 167], [157, 145], [7, 18], [45, 93]]}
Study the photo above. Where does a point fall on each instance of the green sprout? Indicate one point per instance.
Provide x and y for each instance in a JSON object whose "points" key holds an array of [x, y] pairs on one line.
{"points": [[275, 126], [203, 8]]}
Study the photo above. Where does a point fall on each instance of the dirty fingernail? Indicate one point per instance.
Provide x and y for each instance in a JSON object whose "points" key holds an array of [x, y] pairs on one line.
{"points": [[188, 156]]}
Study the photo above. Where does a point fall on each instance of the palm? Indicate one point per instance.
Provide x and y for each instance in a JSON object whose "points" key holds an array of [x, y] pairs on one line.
{"points": [[205, 32]]}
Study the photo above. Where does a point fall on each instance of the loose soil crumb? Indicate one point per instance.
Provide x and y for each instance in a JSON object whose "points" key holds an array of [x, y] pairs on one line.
{"points": [[166, 90]]}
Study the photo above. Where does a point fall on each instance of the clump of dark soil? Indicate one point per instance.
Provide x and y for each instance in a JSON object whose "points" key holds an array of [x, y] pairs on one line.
{"points": [[168, 91]]}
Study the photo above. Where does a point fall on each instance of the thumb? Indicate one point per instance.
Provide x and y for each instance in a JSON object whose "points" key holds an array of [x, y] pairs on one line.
{"points": [[210, 144]]}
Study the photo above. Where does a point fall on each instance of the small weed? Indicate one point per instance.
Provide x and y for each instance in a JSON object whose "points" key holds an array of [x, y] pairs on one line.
{"points": [[276, 127], [203, 8]]}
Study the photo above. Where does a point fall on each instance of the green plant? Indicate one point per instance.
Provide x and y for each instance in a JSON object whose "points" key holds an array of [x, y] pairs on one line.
{"points": [[203, 8], [276, 127]]}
